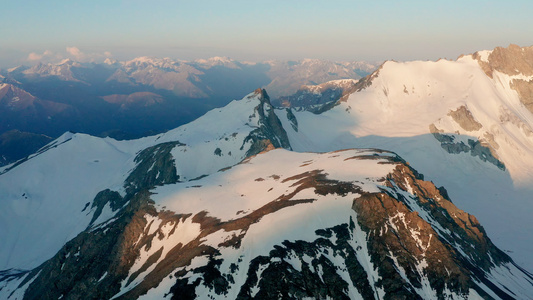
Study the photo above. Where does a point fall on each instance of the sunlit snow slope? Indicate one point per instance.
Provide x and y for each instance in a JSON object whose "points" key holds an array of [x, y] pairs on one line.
{"points": [[462, 128]]}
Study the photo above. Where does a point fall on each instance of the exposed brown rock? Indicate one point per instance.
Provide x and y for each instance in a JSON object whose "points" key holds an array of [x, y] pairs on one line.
{"points": [[445, 245], [525, 92], [464, 118], [466, 228], [392, 228], [513, 60], [434, 129]]}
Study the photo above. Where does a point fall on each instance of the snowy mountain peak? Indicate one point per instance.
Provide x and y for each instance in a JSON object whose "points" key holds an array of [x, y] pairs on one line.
{"points": [[109, 61], [152, 61], [223, 137], [217, 61], [70, 62], [10, 94], [62, 70], [357, 223], [448, 119], [17, 69]]}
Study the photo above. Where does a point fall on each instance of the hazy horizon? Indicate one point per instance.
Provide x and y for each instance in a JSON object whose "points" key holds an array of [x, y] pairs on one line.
{"points": [[260, 30]]}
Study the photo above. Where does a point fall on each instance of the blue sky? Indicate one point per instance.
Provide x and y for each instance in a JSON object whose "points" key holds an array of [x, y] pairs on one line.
{"points": [[258, 30]]}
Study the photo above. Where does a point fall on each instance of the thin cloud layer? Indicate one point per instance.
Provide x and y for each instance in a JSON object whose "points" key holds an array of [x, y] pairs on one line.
{"points": [[71, 52]]}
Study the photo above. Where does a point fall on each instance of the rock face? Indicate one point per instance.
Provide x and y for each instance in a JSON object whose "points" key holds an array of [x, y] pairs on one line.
{"points": [[475, 148], [517, 63], [347, 224], [270, 132]]}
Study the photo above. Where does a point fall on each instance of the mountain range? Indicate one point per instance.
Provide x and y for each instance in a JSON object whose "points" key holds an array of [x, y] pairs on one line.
{"points": [[411, 183], [145, 95]]}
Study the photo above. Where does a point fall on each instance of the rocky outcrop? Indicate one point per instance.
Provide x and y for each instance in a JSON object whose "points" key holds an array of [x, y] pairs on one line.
{"points": [[464, 118], [78, 270], [270, 132], [512, 61], [416, 242], [155, 166], [476, 148]]}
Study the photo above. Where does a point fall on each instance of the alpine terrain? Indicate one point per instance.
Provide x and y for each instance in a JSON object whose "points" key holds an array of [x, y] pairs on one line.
{"points": [[354, 190], [143, 96]]}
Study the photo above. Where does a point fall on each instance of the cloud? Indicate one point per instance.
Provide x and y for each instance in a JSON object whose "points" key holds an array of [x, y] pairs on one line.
{"points": [[71, 52], [76, 53], [36, 56]]}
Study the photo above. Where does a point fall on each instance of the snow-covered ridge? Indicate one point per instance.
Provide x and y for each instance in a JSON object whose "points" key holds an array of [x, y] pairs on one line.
{"points": [[397, 110], [33, 189], [321, 216]]}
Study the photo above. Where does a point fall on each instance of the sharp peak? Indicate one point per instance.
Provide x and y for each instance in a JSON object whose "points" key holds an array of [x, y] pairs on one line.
{"points": [[263, 95]]}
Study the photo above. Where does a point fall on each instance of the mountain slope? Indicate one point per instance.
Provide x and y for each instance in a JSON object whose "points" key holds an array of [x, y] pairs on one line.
{"points": [[52, 196], [461, 128], [212, 209], [357, 224]]}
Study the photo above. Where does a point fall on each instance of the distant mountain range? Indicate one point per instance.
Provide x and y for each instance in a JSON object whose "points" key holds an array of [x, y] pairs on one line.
{"points": [[145, 95], [371, 195]]}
